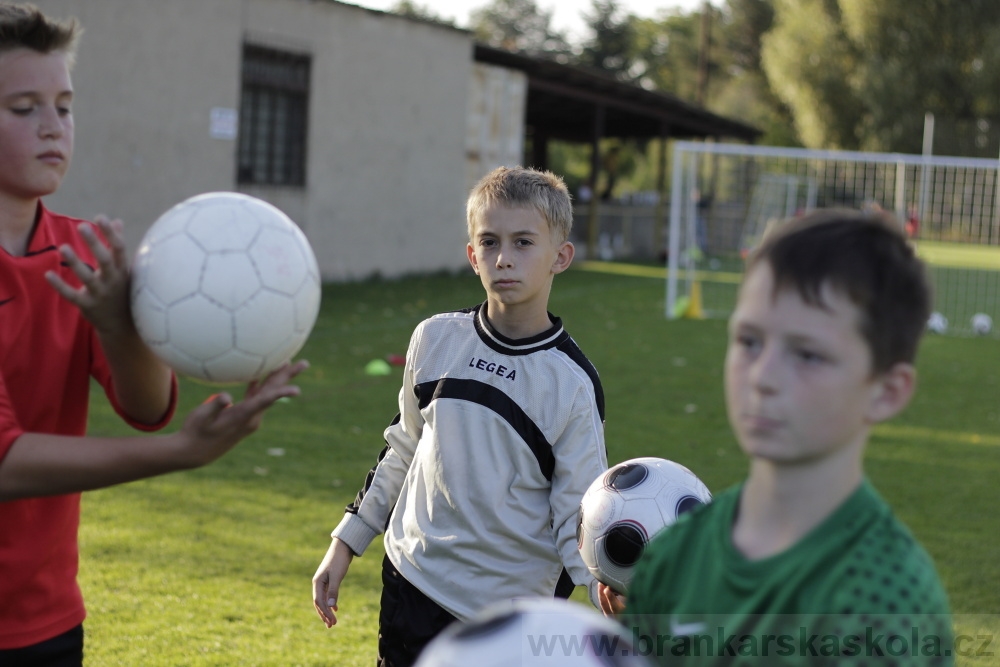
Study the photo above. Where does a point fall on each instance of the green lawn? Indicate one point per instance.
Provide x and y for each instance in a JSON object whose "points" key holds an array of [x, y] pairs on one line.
{"points": [[213, 567]]}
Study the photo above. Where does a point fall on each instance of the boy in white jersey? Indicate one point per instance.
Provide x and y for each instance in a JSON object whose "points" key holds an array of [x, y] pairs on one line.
{"points": [[804, 563], [500, 432]]}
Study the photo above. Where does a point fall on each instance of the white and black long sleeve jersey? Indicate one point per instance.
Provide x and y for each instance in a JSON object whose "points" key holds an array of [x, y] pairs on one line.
{"points": [[480, 482]]}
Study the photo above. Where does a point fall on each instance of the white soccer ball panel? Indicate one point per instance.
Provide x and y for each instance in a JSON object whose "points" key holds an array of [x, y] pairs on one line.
{"points": [[180, 362], [285, 352], [307, 302], [603, 510], [150, 316], [173, 222], [234, 366], [283, 263], [264, 323], [224, 223], [176, 271], [230, 279], [199, 328]]}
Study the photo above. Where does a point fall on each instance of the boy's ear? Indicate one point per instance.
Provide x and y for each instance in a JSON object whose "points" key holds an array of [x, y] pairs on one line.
{"points": [[470, 252], [892, 391], [564, 257]]}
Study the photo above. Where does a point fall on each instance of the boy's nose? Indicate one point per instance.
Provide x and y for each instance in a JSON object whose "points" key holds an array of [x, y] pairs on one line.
{"points": [[765, 371], [503, 260], [50, 125]]}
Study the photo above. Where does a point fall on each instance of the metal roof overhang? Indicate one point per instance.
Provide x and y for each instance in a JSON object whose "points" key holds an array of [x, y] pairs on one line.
{"points": [[563, 102]]}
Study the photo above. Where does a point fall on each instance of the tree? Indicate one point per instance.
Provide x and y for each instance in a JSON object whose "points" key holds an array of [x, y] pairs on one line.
{"points": [[745, 92], [418, 11], [518, 25], [861, 74], [611, 47], [666, 54]]}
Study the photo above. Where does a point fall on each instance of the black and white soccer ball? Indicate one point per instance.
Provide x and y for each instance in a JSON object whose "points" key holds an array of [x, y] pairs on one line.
{"points": [[626, 507], [534, 632]]}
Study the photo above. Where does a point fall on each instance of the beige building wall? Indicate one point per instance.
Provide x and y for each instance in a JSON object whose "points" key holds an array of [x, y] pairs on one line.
{"points": [[494, 132], [386, 171]]}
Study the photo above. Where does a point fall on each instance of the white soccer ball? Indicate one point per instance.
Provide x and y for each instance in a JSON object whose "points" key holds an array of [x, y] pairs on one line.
{"points": [[937, 323], [982, 323], [225, 288], [626, 507], [534, 632]]}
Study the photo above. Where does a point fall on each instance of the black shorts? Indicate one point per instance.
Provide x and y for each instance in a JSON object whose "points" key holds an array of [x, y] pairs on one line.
{"points": [[65, 650], [407, 621]]}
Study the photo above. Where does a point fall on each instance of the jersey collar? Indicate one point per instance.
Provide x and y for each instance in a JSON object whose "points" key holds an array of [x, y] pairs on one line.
{"points": [[547, 339]]}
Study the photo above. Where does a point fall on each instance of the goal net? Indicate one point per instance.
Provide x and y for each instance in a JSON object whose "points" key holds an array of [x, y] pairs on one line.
{"points": [[724, 197]]}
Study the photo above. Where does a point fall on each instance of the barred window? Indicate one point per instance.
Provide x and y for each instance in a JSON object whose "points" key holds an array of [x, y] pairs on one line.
{"points": [[274, 107]]}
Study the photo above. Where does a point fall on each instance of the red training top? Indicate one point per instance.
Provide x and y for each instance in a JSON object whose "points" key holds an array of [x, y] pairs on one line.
{"points": [[48, 352]]}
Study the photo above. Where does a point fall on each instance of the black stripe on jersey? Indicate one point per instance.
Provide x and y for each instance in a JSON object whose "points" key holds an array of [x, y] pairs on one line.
{"points": [[565, 585], [573, 351], [353, 507], [500, 403]]}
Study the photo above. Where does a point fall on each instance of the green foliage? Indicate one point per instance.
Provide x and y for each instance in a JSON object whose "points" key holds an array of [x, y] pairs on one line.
{"points": [[861, 75], [518, 25], [213, 567], [418, 11], [667, 51], [611, 47]]}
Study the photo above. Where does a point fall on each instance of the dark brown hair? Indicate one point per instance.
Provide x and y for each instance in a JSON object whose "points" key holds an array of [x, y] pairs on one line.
{"points": [[864, 256], [25, 26]]}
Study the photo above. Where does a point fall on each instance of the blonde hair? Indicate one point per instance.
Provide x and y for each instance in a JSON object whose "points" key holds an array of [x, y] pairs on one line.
{"points": [[25, 26], [520, 187]]}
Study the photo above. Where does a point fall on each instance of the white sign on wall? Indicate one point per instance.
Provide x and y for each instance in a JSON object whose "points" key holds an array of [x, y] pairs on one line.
{"points": [[224, 123]]}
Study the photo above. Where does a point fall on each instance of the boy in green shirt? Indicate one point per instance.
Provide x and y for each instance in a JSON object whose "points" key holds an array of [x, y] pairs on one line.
{"points": [[804, 563]]}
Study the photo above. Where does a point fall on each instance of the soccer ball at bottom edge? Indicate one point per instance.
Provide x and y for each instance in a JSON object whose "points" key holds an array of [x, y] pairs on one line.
{"points": [[225, 288], [534, 632], [982, 323], [626, 507]]}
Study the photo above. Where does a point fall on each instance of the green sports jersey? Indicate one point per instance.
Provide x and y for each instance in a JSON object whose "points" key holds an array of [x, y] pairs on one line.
{"points": [[858, 589]]}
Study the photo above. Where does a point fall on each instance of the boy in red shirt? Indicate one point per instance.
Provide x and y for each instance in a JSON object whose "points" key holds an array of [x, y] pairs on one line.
{"points": [[64, 318]]}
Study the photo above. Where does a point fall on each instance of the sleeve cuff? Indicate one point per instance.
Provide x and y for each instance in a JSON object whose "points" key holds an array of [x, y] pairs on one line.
{"points": [[593, 594], [355, 533]]}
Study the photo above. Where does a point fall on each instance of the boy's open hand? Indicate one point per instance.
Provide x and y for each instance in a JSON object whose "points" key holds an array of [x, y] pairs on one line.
{"points": [[326, 581], [214, 427], [103, 295]]}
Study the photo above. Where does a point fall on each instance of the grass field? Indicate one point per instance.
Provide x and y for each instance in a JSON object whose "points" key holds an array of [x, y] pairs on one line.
{"points": [[966, 281], [213, 567]]}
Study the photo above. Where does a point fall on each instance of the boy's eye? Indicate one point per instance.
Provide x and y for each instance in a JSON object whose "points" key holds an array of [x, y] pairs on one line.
{"points": [[523, 242], [64, 111], [747, 342], [21, 111], [809, 357]]}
